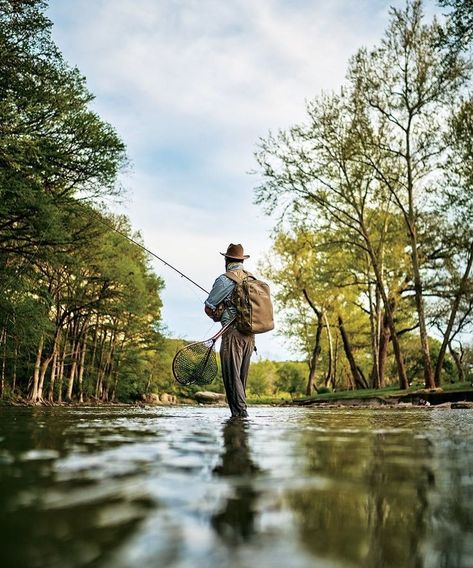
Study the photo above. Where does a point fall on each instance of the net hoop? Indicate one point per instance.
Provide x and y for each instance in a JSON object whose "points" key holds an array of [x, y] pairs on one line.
{"points": [[207, 356]]}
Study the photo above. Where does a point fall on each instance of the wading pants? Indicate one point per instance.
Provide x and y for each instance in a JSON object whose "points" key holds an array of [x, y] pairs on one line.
{"points": [[235, 354]]}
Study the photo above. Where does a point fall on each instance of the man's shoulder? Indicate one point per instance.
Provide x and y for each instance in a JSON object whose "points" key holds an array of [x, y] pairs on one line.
{"points": [[224, 278]]}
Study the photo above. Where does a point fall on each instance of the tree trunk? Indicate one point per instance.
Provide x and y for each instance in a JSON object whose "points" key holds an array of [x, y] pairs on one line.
{"points": [[73, 369], [335, 361], [100, 371], [148, 383], [403, 383], [316, 351], [33, 396], [61, 371], [94, 350], [424, 340], [315, 356], [15, 365], [45, 364], [52, 379], [383, 352], [356, 373], [374, 335], [418, 287], [3, 338], [451, 320], [107, 373], [458, 362], [81, 365], [330, 376]]}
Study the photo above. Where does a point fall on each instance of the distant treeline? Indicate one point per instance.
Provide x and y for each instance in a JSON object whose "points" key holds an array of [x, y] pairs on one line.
{"points": [[373, 193]]}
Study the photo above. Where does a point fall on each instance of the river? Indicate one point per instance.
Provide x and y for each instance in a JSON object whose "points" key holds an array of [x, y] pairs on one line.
{"points": [[184, 487]]}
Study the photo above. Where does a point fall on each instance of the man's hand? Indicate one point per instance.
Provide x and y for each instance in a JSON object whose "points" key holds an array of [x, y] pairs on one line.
{"points": [[209, 312]]}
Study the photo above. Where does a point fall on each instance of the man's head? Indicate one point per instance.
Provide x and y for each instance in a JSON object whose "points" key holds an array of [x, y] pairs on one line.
{"points": [[234, 253]]}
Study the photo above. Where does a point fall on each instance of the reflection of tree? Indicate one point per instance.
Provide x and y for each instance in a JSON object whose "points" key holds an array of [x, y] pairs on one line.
{"points": [[235, 522], [374, 508]]}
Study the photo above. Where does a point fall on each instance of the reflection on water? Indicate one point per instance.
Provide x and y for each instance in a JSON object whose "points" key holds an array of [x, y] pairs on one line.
{"points": [[235, 522], [186, 487]]}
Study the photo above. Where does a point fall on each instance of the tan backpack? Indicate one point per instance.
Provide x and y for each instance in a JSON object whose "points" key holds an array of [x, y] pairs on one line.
{"points": [[252, 300]]}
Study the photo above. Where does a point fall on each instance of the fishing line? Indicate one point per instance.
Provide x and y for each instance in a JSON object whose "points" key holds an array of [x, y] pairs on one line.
{"points": [[124, 235]]}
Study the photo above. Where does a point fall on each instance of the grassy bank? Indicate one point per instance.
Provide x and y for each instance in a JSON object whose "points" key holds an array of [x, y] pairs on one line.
{"points": [[365, 394]]}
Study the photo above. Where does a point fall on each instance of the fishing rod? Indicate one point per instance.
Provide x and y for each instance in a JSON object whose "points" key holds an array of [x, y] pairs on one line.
{"points": [[110, 226]]}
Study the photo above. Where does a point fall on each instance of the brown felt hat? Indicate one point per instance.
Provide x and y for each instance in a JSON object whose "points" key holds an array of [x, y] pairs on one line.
{"points": [[236, 252]]}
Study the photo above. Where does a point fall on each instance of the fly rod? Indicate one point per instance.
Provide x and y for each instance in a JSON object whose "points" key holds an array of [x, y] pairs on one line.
{"points": [[110, 226]]}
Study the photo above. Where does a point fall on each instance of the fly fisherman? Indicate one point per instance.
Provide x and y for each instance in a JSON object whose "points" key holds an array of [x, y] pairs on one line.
{"points": [[236, 348]]}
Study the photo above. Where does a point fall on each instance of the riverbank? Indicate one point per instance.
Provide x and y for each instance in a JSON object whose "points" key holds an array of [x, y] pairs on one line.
{"points": [[450, 396]]}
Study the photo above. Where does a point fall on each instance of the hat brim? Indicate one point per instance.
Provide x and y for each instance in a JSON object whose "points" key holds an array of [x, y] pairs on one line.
{"points": [[244, 257]]}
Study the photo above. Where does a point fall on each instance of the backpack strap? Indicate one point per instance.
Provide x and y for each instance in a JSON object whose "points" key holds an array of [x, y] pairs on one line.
{"points": [[238, 280], [230, 274]]}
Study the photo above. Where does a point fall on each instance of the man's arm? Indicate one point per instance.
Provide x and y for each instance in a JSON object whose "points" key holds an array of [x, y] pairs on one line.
{"points": [[220, 290]]}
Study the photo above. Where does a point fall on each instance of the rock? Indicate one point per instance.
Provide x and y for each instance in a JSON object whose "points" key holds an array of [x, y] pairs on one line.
{"points": [[151, 398], [462, 404], [168, 398], [163, 398], [208, 397]]}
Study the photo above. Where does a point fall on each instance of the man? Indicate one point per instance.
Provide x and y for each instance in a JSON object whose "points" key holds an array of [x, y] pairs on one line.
{"points": [[236, 348]]}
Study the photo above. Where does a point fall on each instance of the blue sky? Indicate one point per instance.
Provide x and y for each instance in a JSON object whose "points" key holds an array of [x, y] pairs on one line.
{"points": [[190, 85]]}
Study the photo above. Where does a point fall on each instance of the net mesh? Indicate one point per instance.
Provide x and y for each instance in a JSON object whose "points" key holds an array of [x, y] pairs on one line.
{"points": [[196, 364]]}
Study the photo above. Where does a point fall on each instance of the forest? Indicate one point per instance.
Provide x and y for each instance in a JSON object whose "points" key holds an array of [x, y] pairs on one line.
{"points": [[371, 253], [372, 194]]}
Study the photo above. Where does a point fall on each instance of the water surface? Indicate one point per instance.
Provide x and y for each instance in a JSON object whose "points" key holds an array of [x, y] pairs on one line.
{"points": [[185, 487]]}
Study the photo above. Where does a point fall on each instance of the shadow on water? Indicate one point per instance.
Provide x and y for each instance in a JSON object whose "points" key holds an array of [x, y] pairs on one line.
{"points": [[235, 521]]}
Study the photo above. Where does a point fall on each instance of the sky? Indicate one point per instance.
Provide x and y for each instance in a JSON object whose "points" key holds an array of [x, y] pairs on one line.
{"points": [[190, 86]]}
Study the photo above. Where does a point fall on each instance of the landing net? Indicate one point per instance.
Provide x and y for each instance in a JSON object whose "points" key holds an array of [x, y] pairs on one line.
{"points": [[196, 363]]}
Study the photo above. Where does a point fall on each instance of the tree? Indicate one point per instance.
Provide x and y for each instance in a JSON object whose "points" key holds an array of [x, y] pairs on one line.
{"points": [[262, 378], [374, 153], [51, 144], [79, 305], [407, 86], [459, 31], [318, 168]]}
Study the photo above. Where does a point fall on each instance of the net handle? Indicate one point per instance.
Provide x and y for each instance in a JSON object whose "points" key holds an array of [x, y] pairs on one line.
{"points": [[223, 330]]}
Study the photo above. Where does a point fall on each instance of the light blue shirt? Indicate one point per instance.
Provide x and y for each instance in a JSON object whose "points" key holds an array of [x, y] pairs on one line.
{"points": [[222, 290]]}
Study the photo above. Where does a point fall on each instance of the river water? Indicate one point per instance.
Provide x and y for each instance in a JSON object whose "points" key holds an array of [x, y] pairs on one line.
{"points": [[184, 487]]}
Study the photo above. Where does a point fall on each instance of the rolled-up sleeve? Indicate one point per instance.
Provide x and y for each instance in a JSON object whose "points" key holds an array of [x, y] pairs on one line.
{"points": [[222, 288]]}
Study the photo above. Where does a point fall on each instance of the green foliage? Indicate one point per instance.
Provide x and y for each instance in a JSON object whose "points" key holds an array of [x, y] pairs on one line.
{"points": [[459, 28], [262, 377], [291, 377], [80, 309], [372, 194]]}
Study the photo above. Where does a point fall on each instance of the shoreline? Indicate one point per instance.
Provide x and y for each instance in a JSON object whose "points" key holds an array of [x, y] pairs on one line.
{"points": [[436, 398]]}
